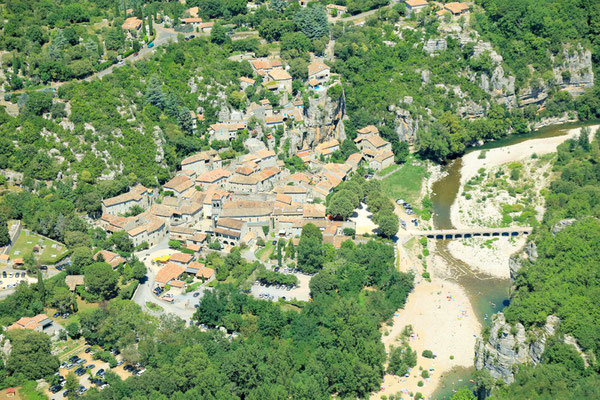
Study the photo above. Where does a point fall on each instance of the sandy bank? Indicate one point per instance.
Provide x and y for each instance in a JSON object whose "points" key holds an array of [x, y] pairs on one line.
{"points": [[485, 255], [443, 321], [471, 163]]}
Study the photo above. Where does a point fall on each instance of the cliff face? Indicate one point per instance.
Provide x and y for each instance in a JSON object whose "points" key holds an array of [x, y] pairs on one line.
{"points": [[573, 72], [508, 346], [406, 125], [323, 120]]}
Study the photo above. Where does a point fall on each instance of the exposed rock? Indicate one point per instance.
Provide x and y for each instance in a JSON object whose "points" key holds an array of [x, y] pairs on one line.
{"points": [[576, 68], [531, 251], [406, 125], [471, 110], [323, 120], [192, 84], [562, 224], [508, 346], [425, 76], [514, 265], [435, 45]]}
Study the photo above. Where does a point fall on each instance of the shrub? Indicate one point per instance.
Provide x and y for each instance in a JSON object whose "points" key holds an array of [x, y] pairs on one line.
{"points": [[428, 354]]}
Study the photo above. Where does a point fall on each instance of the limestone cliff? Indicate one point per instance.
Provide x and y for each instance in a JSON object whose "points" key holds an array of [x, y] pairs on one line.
{"points": [[509, 346], [323, 120]]}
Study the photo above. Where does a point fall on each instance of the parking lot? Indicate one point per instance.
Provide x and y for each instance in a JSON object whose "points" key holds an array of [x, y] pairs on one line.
{"points": [[300, 292], [10, 278], [89, 371]]}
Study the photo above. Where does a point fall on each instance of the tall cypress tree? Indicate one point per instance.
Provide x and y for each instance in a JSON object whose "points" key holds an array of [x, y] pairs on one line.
{"points": [[41, 287], [4, 234]]}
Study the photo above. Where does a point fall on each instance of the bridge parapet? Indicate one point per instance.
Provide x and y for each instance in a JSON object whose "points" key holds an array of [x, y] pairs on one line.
{"points": [[448, 234]]}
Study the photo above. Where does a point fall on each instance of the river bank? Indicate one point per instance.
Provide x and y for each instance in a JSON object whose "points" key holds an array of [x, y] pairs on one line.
{"points": [[473, 162], [469, 279], [490, 195], [442, 320]]}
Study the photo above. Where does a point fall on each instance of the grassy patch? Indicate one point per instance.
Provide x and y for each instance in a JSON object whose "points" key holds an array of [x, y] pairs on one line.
{"points": [[387, 170], [405, 183], [264, 252], [47, 255], [153, 306], [29, 392]]}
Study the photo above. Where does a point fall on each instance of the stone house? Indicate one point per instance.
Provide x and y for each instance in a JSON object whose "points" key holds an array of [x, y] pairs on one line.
{"points": [[318, 71], [137, 196], [202, 162]]}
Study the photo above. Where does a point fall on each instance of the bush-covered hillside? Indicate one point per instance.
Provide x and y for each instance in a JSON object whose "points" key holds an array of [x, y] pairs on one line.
{"points": [[564, 281]]}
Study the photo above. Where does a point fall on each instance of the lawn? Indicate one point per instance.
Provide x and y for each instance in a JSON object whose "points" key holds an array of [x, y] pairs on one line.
{"points": [[405, 183], [264, 252], [387, 170], [51, 251], [81, 306]]}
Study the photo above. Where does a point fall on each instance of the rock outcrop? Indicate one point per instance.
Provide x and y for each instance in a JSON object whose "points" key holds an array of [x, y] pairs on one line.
{"points": [[323, 120], [575, 71], [509, 346], [435, 45], [406, 125], [562, 224]]}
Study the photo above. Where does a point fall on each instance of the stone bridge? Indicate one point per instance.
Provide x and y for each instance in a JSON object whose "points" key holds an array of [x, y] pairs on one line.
{"points": [[474, 232]]}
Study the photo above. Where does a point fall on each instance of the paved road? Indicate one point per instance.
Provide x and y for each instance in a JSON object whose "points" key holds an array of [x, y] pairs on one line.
{"points": [[163, 36], [183, 306]]}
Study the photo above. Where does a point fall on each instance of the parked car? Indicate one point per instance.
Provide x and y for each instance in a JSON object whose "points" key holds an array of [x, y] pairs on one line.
{"points": [[90, 366], [65, 316], [56, 315], [70, 365], [150, 45], [55, 388], [196, 294], [88, 349], [80, 371], [101, 372]]}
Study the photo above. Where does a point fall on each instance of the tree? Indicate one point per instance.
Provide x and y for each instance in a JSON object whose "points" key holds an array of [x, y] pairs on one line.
{"points": [[72, 384], [41, 287], [139, 270], [154, 93], [388, 223], [186, 121], [341, 205], [464, 393], [122, 241], [73, 330], [80, 258], [38, 102], [279, 5], [62, 299], [4, 234], [218, 35], [312, 21], [31, 355], [30, 262], [401, 359], [310, 249], [101, 280], [323, 282]]}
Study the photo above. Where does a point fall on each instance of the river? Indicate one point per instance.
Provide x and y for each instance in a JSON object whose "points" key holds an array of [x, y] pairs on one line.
{"points": [[488, 295]]}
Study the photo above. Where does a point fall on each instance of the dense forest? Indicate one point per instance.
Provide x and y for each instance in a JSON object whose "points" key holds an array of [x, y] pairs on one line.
{"points": [[331, 345], [564, 281], [530, 32]]}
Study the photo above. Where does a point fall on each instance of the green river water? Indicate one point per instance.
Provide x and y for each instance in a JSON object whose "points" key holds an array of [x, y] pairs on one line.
{"points": [[488, 295]]}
